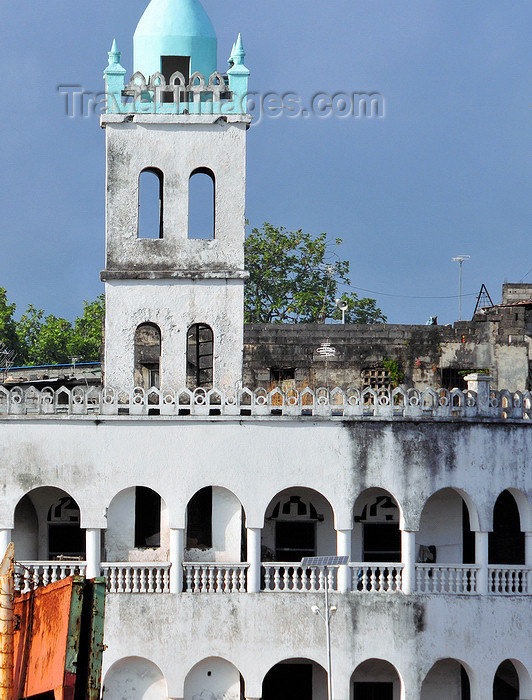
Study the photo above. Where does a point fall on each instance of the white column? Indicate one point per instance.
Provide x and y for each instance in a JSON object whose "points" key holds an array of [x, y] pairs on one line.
{"points": [[528, 549], [253, 556], [93, 545], [481, 559], [343, 549], [5, 539], [408, 547], [177, 547]]}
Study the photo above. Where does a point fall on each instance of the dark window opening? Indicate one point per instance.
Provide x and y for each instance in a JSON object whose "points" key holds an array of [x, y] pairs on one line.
{"points": [[279, 375], [506, 682], [468, 538], [373, 691], [453, 378], [382, 542], [65, 537], [147, 518], [171, 64], [506, 542], [199, 520], [466, 688], [200, 350], [294, 540], [147, 356], [201, 204], [150, 218], [285, 681]]}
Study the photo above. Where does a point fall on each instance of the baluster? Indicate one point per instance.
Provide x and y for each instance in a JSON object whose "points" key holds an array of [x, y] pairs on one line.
{"points": [[267, 576], [364, 579], [288, 579], [373, 579], [143, 579], [36, 577], [166, 580], [242, 580], [26, 581], [204, 579], [188, 577], [222, 580], [126, 572], [211, 579], [276, 578], [330, 579], [321, 579], [198, 579], [428, 581], [313, 579], [399, 580]]}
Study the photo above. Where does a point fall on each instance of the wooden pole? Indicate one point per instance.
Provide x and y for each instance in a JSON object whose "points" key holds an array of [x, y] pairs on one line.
{"points": [[7, 622]]}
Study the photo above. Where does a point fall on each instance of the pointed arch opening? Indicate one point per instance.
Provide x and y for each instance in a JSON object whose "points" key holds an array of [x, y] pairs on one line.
{"points": [[147, 356], [150, 203], [200, 356], [202, 204]]}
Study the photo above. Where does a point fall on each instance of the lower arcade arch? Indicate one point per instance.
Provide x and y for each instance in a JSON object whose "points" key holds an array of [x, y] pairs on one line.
{"points": [[134, 678], [295, 678], [47, 526], [375, 679], [512, 681], [214, 678], [448, 679]]}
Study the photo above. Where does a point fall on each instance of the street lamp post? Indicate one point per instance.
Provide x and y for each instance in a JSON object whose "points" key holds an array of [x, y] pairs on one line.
{"points": [[329, 609], [460, 259]]}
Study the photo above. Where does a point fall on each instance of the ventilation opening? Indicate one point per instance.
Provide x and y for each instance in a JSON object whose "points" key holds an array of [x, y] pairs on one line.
{"points": [[201, 204], [147, 518], [150, 221], [200, 348], [199, 520]]}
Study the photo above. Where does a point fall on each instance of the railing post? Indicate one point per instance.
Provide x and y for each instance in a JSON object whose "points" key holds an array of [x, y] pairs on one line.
{"points": [[481, 549], [343, 549], [253, 557], [408, 545], [480, 384], [528, 549], [177, 545], [93, 545]]}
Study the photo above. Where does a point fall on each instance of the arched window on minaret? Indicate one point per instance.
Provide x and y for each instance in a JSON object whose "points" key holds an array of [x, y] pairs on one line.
{"points": [[147, 355], [200, 352], [150, 223], [201, 204]]}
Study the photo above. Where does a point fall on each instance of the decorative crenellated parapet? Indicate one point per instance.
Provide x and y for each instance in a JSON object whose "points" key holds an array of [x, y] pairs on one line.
{"points": [[260, 403], [215, 94]]}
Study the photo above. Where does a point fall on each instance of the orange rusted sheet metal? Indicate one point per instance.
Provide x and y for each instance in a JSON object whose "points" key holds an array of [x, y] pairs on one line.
{"points": [[47, 639]]}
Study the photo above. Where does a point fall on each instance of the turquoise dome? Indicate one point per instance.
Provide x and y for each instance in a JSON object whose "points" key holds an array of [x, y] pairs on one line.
{"points": [[175, 28]]}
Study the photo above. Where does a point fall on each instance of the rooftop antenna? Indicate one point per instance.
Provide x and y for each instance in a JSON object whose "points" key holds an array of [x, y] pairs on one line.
{"points": [[460, 259], [483, 300]]}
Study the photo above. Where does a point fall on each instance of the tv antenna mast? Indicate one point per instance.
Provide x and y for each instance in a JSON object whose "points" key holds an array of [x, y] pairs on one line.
{"points": [[460, 259]]}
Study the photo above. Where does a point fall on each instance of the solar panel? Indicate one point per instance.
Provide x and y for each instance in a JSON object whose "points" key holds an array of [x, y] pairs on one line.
{"points": [[324, 561]]}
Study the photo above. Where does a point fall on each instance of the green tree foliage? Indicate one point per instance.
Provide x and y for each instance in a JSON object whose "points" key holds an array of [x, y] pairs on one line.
{"points": [[8, 325], [294, 278], [48, 340]]}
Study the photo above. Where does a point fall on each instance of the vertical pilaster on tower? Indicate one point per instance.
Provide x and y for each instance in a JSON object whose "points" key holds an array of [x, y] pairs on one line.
{"points": [[114, 79]]}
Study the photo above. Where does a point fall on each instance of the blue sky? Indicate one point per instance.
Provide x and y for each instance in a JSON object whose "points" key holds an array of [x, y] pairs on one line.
{"points": [[448, 170]]}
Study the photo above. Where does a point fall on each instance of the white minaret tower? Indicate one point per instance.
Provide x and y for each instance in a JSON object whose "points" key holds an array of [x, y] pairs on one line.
{"points": [[176, 178]]}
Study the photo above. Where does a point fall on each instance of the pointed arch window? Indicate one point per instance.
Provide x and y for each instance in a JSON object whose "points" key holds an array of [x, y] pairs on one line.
{"points": [[201, 204], [200, 353], [150, 217], [147, 355]]}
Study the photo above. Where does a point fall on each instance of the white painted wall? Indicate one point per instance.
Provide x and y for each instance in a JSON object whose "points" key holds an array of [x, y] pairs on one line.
{"points": [[441, 525], [226, 525], [443, 682], [26, 532], [134, 678], [213, 679]]}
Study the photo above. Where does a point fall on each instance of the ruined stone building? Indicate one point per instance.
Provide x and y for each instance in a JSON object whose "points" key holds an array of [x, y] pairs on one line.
{"points": [[213, 457]]}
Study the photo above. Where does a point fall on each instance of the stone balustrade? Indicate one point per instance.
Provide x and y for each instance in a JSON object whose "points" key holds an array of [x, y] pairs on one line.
{"points": [[134, 577], [377, 577], [292, 577], [29, 575], [260, 403], [207, 577], [447, 578]]}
